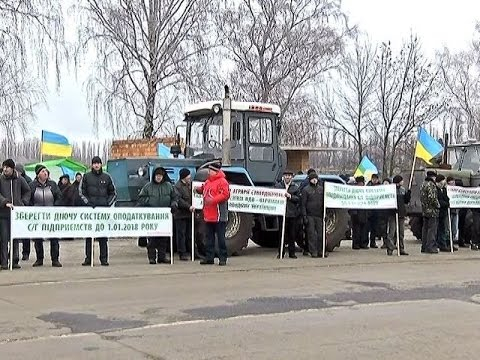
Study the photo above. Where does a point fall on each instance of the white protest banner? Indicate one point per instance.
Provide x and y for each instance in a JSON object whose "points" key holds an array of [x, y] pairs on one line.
{"points": [[339, 196], [462, 197], [250, 199], [64, 222]]}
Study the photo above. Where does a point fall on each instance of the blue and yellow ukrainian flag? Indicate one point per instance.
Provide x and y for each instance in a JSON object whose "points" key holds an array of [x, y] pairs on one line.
{"points": [[366, 168], [55, 144], [427, 147]]}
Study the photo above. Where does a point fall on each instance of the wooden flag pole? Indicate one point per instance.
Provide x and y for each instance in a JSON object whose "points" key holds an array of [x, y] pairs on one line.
{"points": [[413, 171]]}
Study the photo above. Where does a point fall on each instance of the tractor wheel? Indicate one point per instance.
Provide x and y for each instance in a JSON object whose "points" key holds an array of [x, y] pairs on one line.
{"points": [[336, 224]]}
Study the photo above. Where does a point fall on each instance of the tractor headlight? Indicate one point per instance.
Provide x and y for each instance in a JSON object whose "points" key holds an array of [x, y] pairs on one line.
{"points": [[141, 172]]}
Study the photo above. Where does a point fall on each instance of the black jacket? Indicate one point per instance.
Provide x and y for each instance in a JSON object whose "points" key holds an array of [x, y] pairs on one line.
{"points": [[45, 195], [14, 190], [293, 203], [312, 200], [184, 200], [444, 200], [97, 189], [403, 198]]}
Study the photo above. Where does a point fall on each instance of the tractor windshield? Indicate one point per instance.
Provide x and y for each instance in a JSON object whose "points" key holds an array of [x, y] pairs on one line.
{"points": [[205, 135], [465, 157]]}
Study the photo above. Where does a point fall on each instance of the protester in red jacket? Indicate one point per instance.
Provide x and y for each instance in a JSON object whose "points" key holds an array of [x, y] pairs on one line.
{"points": [[216, 193]]}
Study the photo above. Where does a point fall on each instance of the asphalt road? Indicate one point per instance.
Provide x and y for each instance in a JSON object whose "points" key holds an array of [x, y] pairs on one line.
{"points": [[353, 305]]}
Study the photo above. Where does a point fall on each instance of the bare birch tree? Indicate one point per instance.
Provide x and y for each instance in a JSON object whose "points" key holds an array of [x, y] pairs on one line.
{"points": [[31, 35], [280, 47], [149, 54], [348, 102]]}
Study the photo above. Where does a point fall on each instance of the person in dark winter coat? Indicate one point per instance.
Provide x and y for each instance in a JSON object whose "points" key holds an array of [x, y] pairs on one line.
{"points": [[403, 198], [183, 215], [158, 193], [215, 192], [373, 216], [430, 212], [292, 211], [312, 211], [25, 242], [45, 192], [73, 196], [14, 191], [359, 219], [97, 189], [443, 242]]}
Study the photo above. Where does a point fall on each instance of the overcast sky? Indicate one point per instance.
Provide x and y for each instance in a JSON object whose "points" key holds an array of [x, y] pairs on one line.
{"points": [[438, 23]]}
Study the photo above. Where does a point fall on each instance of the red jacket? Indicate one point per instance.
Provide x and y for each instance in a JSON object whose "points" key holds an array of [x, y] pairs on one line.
{"points": [[216, 193]]}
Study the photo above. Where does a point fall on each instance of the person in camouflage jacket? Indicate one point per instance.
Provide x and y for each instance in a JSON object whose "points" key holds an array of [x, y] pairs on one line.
{"points": [[430, 211]]}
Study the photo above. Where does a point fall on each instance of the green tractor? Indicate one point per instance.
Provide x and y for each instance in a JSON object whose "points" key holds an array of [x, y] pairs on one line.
{"points": [[460, 161]]}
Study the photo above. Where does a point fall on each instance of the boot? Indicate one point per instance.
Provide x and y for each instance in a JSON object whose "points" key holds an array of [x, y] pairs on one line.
{"points": [[207, 262], [87, 262], [474, 247], [56, 263], [39, 262]]}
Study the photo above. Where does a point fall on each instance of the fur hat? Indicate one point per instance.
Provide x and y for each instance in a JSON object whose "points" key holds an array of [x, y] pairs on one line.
{"points": [[9, 163], [215, 166], [312, 175], [439, 178], [397, 179]]}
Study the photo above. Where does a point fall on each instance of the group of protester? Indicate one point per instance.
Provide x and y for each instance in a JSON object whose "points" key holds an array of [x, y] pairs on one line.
{"points": [[436, 226], [96, 189], [304, 209]]}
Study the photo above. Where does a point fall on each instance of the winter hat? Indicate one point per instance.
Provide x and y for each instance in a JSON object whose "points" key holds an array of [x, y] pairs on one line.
{"points": [[387, 180], [397, 179], [359, 179], [20, 168], [183, 173], [439, 178], [312, 175], [311, 170], [159, 171], [215, 166], [96, 160], [450, 178], [9, 163], [431, 173], [39, 168]]}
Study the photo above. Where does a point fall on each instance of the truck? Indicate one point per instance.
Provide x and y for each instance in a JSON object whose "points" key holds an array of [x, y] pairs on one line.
{"points": [[244, 137], [460, 161]]}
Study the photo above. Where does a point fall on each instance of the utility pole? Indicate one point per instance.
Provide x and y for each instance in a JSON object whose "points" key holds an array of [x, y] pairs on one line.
{"points": [[227, 117]]}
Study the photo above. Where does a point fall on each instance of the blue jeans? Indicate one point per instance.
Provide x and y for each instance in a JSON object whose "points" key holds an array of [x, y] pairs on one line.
{"points": [[216, 228]]}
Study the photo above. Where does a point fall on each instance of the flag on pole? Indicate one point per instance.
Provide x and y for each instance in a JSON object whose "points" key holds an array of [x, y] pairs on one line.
{"points": [[55, 144], [427, 147], [366, 169]]}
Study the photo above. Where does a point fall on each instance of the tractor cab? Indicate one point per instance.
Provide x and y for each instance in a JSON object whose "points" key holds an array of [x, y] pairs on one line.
{"points": [[254, 137]]}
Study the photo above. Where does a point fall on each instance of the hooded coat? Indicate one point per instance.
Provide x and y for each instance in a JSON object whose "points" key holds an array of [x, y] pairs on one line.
{"points": [[156, 194]]}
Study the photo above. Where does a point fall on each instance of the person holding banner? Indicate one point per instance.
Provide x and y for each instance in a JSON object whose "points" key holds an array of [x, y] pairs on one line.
{"points": [[14, 191], [45, 192], [291, 212], [312, 212], [97, 189], [183, 215], [158, 193], [216, 192], [403, 198], [359, 218], [430, 212]]}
